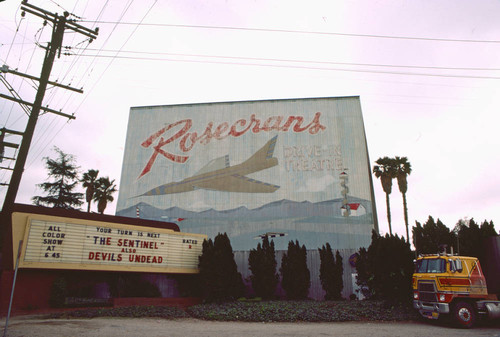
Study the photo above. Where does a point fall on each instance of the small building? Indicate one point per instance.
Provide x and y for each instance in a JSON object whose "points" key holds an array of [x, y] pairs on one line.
{"points": [[84, 259], [353, 209]]}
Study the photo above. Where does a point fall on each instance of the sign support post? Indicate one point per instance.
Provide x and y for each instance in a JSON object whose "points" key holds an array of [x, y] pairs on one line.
{"points": [[13, 286]]}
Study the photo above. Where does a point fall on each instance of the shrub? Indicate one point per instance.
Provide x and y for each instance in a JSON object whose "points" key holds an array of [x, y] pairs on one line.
{"points": [[304, 311], [58, 292], [386, 268], [132, 285], [189, 285]]}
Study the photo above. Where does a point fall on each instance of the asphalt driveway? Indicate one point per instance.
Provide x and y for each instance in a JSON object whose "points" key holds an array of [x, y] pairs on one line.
{"points": [[150, 327]]}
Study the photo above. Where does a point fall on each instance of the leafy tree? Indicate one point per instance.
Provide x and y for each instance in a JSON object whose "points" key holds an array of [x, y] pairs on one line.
{"points": [[429, 238], [471, 236], [331, 272], [89, 181], [64, 173], [262, 263], [467, 237], [403, 169], [218, 271], [386, 268], [296, 278], [488, 229], [104, 193], [386, 171]]}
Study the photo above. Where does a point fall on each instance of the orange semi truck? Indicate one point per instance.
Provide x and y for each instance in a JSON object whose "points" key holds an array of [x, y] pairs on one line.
{"points": [[446, 285]]}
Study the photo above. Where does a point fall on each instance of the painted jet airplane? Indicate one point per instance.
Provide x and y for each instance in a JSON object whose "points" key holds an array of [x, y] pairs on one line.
{"points": [[218, 175]]}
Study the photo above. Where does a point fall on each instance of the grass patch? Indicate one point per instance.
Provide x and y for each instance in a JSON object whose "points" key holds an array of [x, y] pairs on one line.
{"points": [[265, 311]]}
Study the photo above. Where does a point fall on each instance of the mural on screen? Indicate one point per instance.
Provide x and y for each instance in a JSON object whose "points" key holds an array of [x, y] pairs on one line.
{"points": [[298, 168]]}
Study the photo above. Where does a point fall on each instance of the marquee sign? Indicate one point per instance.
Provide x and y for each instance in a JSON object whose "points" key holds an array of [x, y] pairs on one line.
{"points": [[94, 246]]}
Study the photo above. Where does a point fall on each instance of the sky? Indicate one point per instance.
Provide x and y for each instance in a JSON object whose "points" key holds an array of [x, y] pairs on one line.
{"points": [[427, 74]]}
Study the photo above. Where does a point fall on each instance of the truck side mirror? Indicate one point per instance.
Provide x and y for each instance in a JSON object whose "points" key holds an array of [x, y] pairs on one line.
{"points": [[452, 266], [455, 266]]}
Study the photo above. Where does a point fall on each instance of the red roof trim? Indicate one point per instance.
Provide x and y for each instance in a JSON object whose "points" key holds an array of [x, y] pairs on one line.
{"points": [[94, 216]]}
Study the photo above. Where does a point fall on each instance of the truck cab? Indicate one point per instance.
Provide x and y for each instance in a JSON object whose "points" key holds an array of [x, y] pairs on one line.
{"points": [[452, 286]]}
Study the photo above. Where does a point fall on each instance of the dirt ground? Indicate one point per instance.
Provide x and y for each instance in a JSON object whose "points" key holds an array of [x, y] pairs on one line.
{"points": [[28, 326]]}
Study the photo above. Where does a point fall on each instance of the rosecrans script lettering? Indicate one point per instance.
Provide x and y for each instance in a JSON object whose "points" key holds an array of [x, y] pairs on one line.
{"points": [[187, 140]]}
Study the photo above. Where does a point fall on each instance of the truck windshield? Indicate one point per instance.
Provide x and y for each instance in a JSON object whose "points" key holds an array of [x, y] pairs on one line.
{"points": [[430, 266]]}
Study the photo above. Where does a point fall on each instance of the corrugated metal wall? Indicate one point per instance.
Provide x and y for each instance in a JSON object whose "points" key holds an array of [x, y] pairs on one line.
{"points": [[316, 291]]}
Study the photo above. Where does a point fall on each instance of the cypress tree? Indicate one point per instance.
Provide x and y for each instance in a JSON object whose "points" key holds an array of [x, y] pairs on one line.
{"points": [[262, 263], [207, 271], [327, 271], [338, 279], [218, 271], [296, 278], [331, 273]]}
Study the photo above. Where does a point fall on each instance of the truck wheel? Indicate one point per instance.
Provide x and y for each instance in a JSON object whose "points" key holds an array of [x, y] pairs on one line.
{"points": [[464, 315]]}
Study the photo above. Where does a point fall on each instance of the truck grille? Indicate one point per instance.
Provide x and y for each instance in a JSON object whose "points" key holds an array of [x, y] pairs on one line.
{"points": [[427, 291]]}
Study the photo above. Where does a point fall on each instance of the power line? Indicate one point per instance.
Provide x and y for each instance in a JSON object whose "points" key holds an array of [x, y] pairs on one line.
{"points": [[124, 11], [81, 103], [301, 67], [14, 38], [123, 45], [300, 32], [288, 60]]}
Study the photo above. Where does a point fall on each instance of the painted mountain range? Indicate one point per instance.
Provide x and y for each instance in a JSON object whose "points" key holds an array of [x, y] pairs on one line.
{"points": [[312, 224], [282, 209]]}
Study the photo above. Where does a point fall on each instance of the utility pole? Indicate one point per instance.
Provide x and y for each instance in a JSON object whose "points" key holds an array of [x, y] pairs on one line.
{"points": [[4, 144], [60, 24]]}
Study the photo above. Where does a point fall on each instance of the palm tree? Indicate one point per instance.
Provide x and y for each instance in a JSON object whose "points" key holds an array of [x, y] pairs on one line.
{"points": [[403, 169], [89, 180], [386, 171], [103, 193]]}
